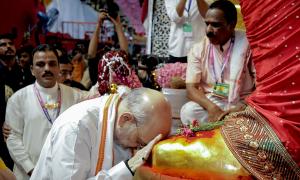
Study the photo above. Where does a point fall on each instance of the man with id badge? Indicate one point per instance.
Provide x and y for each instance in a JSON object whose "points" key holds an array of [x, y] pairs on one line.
{"points": [[220, 72], [187, 26]]}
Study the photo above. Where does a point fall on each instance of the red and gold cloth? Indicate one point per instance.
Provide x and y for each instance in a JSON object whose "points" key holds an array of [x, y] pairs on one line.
{"points": [[274, 36], [255, 145]]}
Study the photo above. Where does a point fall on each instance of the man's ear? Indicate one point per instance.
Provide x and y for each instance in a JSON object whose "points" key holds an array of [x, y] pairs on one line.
{"points": [[125, 118], [31, 69]]}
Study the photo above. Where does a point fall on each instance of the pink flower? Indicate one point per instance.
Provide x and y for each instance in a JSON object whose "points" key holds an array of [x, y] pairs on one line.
{"points": [[165, 73], [187, 132]]}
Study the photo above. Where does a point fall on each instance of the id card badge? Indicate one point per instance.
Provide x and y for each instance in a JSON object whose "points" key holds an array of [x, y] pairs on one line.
{"points": [[187, 29], [221, 89]]}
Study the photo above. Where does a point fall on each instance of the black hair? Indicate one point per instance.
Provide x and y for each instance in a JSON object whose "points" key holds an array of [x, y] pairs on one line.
{"points": [[8, 36], [228, 8], [44, 48], [26, 48], [64, 59]]}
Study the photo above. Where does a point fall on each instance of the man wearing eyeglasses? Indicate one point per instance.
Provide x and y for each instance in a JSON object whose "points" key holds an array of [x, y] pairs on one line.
{"points": [[65, 74], [99, 141]]}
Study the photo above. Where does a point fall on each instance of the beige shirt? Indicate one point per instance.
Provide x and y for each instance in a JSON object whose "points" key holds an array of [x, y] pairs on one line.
{"points": [[200, 71]]}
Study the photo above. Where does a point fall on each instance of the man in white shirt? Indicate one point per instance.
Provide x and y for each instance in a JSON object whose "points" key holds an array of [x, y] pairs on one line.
{"points": [[96, 139], [31, 111], [187, 26], [220, 71]]}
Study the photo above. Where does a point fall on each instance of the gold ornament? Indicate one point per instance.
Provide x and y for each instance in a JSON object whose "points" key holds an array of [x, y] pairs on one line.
{"points": [[51, 105], [113, 88]]}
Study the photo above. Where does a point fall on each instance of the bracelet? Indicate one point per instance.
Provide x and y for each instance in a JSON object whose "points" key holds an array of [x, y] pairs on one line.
{"points": [[126, 163]]}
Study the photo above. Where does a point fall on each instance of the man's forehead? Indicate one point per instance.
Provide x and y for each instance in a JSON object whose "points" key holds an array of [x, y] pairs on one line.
{"points": [[216, 15], [5, 40], [45, 55], [25, 54]]}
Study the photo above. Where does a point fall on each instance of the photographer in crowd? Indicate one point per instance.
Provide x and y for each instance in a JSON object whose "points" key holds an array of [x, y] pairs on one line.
{"points": [[93, 54]]}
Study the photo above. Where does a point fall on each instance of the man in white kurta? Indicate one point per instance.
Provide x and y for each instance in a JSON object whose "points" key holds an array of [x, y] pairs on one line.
{"points": [[85, 141], [29, 124], [220, 72], [31, 111], [187, 26]]}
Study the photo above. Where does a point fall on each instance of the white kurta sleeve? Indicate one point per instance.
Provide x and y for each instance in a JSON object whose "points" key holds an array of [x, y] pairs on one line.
{"points": [[70, 150], [119, 171], [171, 11], [15, 119], [193, 71]]}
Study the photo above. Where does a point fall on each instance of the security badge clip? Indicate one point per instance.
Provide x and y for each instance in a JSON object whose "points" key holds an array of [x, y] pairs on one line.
{"points": [[187, 29]]}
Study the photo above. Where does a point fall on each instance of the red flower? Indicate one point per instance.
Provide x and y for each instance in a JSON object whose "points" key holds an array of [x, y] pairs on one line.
{"points": [[195, 123]]}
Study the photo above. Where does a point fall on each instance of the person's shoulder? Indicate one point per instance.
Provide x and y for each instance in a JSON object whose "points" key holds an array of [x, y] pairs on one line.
{"points": [[202, 43], [241, 38], [69, 90], [27, 90], [75, 88], [82, 109], [77, 85], [82, 115], [199, 48], [240, 33], [65, 87]]}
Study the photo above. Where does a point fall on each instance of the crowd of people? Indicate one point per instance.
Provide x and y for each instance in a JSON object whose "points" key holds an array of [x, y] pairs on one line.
{"points": [[85, 114]]}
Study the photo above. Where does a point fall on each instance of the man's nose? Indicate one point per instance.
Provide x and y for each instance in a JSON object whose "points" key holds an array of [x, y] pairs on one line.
{"points": [[69, 76], [209, 28], [47, 67]]}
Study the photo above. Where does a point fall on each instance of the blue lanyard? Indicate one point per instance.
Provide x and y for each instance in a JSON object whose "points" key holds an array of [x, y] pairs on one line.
{"points": [[189, 7]]}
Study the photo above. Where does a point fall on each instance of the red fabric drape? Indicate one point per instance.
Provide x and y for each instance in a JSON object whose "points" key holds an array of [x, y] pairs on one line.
{"points": [[273, 30], [144, 11]]}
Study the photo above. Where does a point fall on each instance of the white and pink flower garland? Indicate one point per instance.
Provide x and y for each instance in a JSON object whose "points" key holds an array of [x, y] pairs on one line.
{"points": [[113, 68]]}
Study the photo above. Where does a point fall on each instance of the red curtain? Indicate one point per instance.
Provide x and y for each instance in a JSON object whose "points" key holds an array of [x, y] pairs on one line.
{"points": [[273, 30], [18, 15]]}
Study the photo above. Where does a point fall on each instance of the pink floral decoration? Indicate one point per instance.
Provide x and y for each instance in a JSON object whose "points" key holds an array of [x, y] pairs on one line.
{"points": [[131, 80], [185, 131], [192, 129], [114, 68], [165, 73]]}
